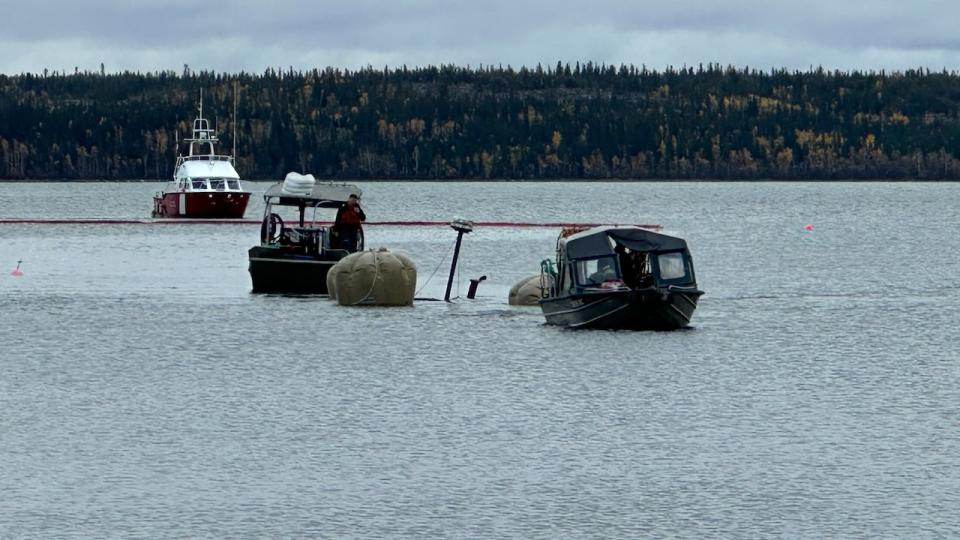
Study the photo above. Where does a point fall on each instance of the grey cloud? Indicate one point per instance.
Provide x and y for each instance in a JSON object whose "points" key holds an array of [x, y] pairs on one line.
{"points": [[251, 35]]}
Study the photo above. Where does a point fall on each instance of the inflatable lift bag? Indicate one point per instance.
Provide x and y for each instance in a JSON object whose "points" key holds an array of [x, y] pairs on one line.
{"points": [[527, 291], [373, 278]]}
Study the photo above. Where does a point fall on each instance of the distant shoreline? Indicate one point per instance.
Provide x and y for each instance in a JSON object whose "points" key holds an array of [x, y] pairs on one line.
{"points": [[518, 181], [580, 122]]}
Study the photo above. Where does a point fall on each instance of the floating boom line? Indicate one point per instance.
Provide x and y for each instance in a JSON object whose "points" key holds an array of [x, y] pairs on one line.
{"points": [[188, 221]]}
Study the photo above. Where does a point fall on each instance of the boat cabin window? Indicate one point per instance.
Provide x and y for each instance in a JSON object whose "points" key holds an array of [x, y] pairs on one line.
{"points": [[595, 271], [217, 183], [233, 184], [672, 266], [199, 183]]}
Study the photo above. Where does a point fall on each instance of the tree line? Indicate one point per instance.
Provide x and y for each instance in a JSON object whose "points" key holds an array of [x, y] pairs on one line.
{"points": [[449, 122]]}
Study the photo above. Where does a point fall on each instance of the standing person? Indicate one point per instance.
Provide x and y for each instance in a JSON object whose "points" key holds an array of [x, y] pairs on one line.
{"points": [[627, 267], [348, 223]]}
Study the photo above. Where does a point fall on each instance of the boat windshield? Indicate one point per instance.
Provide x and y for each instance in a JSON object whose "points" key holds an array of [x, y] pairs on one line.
{"points": [[291, 214], [592, 272], [218, 184], [672, 266]]}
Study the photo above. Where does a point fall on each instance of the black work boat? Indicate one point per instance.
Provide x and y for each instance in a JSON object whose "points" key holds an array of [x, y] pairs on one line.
{"points": [[621, 278], [295, 258]]}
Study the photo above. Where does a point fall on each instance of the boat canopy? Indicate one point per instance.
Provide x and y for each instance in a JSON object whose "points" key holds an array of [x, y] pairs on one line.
{"points": [[600, 241], [323, 195]]}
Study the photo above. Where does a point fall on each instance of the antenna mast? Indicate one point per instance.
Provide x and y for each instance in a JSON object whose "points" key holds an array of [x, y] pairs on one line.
{"points": [[234, 122]]}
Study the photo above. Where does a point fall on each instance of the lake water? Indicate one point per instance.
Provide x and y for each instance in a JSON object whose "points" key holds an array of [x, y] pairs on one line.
{"points": [[144, 392]]}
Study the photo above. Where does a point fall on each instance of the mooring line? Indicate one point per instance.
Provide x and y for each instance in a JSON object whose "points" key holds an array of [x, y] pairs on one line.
{"points": [[439, 264]]}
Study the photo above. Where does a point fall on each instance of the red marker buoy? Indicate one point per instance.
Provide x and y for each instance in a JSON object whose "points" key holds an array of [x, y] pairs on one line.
{"points": [[16, 271], [808, 227]]}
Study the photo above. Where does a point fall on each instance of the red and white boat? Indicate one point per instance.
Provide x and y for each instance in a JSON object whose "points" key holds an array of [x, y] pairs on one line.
{"points": [[205, 185]]}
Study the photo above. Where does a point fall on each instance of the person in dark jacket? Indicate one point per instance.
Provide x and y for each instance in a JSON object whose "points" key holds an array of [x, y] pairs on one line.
{"points": [[348, 224]]}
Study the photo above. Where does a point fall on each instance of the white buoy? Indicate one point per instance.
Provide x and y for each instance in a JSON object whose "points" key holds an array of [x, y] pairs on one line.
{"points": [[373, 278], [529, 290]]}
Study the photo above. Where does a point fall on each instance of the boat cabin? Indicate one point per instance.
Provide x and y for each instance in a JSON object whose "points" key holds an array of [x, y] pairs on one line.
{"points": [[290, 220], [610, 258], [296, 251]]}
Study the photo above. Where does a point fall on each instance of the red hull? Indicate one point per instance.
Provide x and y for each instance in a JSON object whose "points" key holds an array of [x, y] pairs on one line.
{"points": [[219, 204]]}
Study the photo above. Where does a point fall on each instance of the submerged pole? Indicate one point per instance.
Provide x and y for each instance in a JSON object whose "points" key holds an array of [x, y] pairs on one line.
{"points": [[474, 283], [462, 227]]}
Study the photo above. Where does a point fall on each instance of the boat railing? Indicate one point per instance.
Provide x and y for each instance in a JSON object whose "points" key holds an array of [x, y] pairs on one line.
{"points": [[204, 157], [548, 278], [683, 288], [333, 251]]}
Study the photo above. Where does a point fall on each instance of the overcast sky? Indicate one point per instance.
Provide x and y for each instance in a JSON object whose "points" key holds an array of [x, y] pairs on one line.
{"points": [[230, 35]]}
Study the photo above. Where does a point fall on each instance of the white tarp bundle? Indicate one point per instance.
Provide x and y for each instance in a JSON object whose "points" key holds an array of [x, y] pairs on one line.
{"points": [[298, 184], [528, 291], [373, 278]]}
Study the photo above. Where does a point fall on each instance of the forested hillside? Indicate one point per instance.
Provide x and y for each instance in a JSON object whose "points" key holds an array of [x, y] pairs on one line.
{"points": [[579, 121]]}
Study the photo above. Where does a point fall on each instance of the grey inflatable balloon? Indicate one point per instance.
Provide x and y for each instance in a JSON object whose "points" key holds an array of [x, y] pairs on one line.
{"points": [[528, 291], [373, 278]]}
